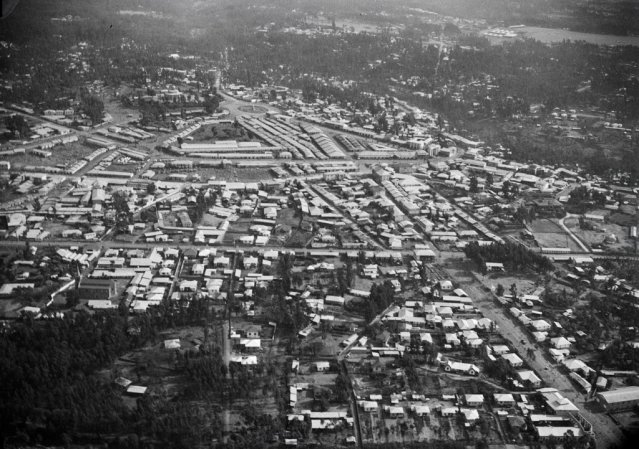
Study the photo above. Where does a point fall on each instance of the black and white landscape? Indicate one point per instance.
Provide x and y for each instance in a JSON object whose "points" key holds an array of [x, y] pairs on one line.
{"points": [[332, 223]]}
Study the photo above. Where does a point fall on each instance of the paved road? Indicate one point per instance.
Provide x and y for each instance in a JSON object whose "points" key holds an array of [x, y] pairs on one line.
{"points": [[148, 245], [606, 431]]}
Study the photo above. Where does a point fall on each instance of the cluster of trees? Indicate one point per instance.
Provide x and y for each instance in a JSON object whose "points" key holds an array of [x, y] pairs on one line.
{"points": [[382, 296], [290, 316], [525, 214], [558, 300], [17, 126], [620, 355], [344, 278], [412, 375], [627, 269], [509, 190], [151, 111], [92, 106], [203, 201], [499, 369], [515, 257], [123, 216], [209, 377], [582, 198]]}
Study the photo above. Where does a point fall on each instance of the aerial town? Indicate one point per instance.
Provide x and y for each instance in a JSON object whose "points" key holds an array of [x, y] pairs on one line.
{"points": [[202, 258]]}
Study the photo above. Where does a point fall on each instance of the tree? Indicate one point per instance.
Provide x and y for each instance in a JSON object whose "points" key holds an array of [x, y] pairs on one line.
{"points": [[513, 290], [211, 103], [72, 298], [500, 290], [409, 119], [474, 186], [505, 188], [382, 124], [341, 387]]}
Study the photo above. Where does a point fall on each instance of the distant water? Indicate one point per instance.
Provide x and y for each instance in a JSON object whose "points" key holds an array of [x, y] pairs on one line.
{"points": [[550, 35]]}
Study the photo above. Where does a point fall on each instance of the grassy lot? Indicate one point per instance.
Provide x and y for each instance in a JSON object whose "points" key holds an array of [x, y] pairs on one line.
{"points": [[221, 132], [525, 284], [119, 113], [236, 230], [228, 173], [550, 235], [130, 168], [62, 154], [210, 220], [596, 237], [55, 228]]}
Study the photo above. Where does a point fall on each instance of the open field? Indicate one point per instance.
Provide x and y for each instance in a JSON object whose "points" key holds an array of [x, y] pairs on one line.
{"points": [[119, 114], [550, 235], [219, 133]]}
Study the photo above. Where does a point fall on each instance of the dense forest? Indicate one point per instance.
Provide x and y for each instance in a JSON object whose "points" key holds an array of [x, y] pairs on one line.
{"points": [[52, 393]]}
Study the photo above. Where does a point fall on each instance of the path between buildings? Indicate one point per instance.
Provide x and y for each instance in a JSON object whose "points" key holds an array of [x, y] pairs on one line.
{"points": [[571, 234]]}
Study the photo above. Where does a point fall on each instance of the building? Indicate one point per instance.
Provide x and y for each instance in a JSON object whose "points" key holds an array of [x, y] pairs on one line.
{"points": [[560, 343], [556, 402], [96, 288], [620, 399], [529, 376], [322, 366], [504, 399], [474, 400], [459, 367], [494, 267], [10, 288], [541, 325], [513, 360]]}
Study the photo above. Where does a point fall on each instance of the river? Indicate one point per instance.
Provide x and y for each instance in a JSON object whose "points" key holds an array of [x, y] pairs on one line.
{"points": [[552, 35]]}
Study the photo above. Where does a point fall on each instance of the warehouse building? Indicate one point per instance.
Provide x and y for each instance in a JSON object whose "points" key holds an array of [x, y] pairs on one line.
{"points": [[619, 400], [96, 289]]}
